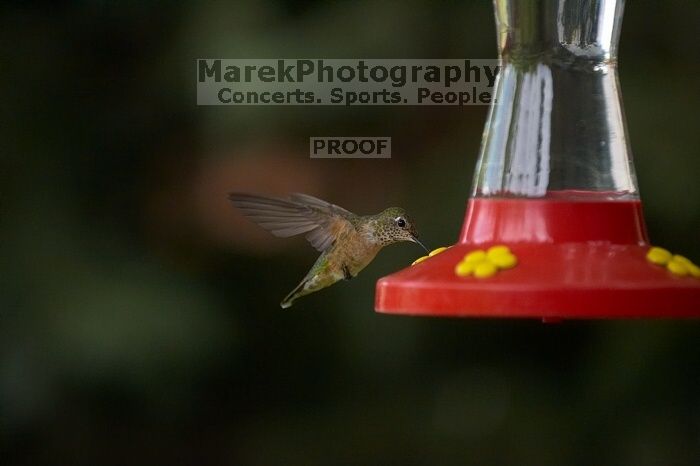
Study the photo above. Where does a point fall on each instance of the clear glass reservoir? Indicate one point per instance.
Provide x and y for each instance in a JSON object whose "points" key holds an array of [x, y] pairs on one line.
{"points": [[558, 127]]}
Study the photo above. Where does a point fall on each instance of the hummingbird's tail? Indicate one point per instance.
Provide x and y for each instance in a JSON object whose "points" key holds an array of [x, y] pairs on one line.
{"points": [[317, 278], [294, 294]]}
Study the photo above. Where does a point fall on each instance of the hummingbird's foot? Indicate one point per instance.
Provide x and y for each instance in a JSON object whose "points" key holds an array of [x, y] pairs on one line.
{"points": [[347, 274]]}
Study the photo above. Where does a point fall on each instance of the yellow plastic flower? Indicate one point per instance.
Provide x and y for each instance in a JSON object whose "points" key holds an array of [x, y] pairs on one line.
{"points": [[674, 263], [658, 256], [419, 260], [432, 253], [485, 264], [437, 251]]}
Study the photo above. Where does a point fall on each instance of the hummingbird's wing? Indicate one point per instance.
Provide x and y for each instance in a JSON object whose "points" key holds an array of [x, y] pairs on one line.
{"points": [[322, 221], [321, 204]]}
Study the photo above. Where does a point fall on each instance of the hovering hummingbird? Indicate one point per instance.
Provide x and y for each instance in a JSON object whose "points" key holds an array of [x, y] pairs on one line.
{"points": [[347, 242]]}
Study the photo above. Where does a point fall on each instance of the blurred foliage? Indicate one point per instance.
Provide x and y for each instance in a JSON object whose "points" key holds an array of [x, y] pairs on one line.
{"points": [[139, 318]]}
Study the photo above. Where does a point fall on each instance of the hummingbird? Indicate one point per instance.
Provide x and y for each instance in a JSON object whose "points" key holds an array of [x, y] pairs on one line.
{"points": [[347, 242]]}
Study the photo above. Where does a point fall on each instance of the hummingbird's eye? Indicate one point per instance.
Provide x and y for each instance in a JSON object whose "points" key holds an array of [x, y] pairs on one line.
{"points": [[400, 222]]}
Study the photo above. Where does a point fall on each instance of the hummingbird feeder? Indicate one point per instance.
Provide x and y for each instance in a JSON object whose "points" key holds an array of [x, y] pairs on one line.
{"points": [[554, 188]]}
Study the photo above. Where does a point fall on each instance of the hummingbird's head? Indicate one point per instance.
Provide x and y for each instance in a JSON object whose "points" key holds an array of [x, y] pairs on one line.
{"points": [[395, 225]]}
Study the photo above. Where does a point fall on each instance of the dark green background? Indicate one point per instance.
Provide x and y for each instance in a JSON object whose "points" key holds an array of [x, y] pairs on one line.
{"points": [[139, 317]]}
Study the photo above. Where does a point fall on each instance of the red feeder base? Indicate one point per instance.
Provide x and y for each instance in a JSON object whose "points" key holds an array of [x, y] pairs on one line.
{"points": [[576, 260]]}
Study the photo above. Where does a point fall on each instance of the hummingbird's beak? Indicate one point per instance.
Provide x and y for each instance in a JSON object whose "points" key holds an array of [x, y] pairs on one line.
{"points": [[416, 240]]}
